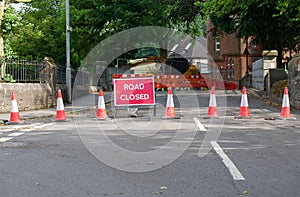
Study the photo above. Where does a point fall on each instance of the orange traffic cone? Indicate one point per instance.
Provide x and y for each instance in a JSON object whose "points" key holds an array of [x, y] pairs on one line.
{"points": [[244, 111], [212, 108], [60, 110], [14, 111], [285, 110], [101, 114], [170, 110]]}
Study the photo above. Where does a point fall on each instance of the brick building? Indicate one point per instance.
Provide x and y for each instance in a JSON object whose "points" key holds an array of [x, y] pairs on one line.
{"points": [[228, 53]]}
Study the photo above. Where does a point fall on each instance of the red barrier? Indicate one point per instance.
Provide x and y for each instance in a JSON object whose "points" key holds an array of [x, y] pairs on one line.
{"points": [[184, 81]]}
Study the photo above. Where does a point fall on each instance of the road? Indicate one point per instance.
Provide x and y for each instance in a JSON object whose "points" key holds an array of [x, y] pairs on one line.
{"points": [[191, 156]]}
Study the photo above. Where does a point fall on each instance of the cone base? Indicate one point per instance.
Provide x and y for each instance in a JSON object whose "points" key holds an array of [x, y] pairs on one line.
{"points": [[102, 114], [212, 112], [103, 118], [244, 112], [242, 117], [170, 112], [171, 117], [15, 123], [211, 117], [15, 117], [60, 115], [285, 112]]}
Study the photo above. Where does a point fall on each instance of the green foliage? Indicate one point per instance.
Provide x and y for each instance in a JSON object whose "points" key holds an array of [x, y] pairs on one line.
{"points": [[9, 78], [39, 28], [38, 31], [10, 20], [9, 23]]}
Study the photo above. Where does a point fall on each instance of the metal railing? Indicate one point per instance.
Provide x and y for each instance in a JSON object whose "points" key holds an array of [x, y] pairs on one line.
{"points": [[21, 71]]}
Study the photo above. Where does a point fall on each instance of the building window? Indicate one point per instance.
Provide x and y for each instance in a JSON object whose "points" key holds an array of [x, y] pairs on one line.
{"points": [[229, 68], [228, 71], [217, 42]]}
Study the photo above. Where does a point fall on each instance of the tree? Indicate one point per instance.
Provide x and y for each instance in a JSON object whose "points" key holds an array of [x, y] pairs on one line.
{"points": [[4, 5], [40, 31], [275, 24], [41, 28]]}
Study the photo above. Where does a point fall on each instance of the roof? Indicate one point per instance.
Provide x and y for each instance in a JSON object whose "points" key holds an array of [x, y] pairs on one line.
{"points": [[190, 48]]}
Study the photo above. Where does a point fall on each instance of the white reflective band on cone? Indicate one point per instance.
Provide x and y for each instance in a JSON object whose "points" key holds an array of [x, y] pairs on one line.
{"points": [[14, 106], [60, 104], [170, 102], [244, 101], [286, 102], [101, 102], [212, 101]]}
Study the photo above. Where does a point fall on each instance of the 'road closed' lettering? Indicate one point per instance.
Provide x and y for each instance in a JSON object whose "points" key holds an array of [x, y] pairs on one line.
{"points": [[132, 97], [134, 86]]}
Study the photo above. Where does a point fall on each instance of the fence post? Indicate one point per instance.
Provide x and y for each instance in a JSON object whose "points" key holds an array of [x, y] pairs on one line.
{"points": [[48, 75]]}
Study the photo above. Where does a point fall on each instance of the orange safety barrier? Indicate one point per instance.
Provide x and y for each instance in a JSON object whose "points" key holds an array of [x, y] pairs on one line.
{"points": [[183, 81]]}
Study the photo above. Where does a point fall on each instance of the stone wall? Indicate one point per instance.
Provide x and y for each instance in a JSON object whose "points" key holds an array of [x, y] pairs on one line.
{"points": [[294, 82], [29, 96]]}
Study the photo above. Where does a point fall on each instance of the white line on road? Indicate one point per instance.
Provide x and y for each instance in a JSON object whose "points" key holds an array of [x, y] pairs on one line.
{"points": [[16, 134], [26, 130], [5, 139], [6, 130], [198, 123], [44, 125], [228, 163]]}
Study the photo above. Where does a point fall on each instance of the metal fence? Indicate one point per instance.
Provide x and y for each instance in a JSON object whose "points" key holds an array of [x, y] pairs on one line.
{"points": [[21, 71]]}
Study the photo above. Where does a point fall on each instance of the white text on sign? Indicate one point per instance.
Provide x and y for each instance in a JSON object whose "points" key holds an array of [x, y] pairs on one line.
{"points": [[134, 91], [134, 86], [131, 97]]}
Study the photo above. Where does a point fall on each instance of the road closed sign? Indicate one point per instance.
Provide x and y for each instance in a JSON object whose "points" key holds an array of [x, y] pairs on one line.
{"points": [[134, 91]]}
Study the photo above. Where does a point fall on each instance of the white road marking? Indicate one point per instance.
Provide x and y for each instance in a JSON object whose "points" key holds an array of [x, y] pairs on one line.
{"points": [[6, 130], [44, 125], [26, 130], [16, 134], [198, 123], [228, 163], [5, 139]]}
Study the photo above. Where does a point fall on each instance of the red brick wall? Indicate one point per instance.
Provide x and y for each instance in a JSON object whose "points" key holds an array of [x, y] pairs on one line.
{"points": [[231, 48]]}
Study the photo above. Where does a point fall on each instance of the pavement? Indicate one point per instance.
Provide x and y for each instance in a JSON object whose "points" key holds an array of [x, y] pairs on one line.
{"points": [[29, 116]]}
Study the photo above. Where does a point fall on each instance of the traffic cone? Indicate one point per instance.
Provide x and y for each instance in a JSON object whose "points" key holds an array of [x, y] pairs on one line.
{"points": [[212, 108], [101, 113], [244, 111], [285, 110], [14, 111], [170, 110], [60, 110]]}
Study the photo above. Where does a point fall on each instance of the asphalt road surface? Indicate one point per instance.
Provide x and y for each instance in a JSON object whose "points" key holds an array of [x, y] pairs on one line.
{"points": [[149, 156]]}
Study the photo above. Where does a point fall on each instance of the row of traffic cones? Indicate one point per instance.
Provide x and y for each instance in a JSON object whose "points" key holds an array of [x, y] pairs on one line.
{"points": [[244, 107], [212, 108], [170, 109], [15, 115], [60, 110]]}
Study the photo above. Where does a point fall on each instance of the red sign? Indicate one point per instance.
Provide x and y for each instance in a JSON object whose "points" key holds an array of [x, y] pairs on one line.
{"points": [[134, 91]]}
